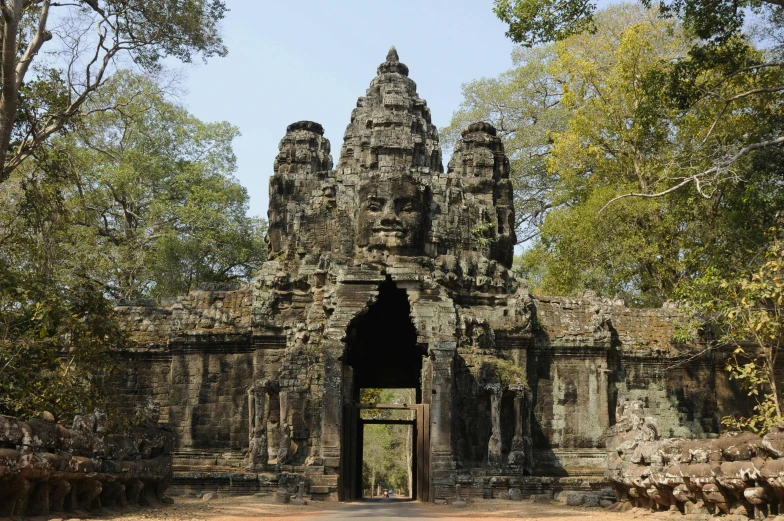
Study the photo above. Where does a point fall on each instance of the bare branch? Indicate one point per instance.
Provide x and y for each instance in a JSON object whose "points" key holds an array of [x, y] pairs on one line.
{"points": [[696, 178], [729, 101]]}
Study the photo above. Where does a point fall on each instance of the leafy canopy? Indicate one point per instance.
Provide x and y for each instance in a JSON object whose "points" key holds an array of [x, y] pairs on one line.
{"points": [[57, 55], [611, 128], [158, 196], [131, 203], [746, 312]]}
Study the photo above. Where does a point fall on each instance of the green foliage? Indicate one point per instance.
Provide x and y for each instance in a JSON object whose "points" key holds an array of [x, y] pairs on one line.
{"points": [[716, 80], [387, 449], [55, 351], [177, 28], [57, 330], [65, 52], [747, 312], [156, 193], [483, 232], [541, 21], [507, 372], [614, 126], [134, 203], [384, 459]]}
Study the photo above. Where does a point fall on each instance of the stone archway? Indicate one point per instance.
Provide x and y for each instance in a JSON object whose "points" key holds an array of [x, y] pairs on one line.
{"points": [[381, 344], [382, 352]]}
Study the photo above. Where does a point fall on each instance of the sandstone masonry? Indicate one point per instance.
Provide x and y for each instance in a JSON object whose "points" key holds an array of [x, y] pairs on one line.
{"points": [[388, 271]]}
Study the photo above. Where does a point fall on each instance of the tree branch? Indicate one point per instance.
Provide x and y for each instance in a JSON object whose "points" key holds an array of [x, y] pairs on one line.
{"points": [[696, 178], [41, 36]]}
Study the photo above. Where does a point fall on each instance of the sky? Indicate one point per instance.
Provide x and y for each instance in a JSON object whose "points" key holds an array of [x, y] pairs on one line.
{"points": [[311, 59]]}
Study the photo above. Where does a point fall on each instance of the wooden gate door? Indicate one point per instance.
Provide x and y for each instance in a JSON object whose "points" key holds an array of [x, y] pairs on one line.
{"points": [[422, 460], [351, 461]]}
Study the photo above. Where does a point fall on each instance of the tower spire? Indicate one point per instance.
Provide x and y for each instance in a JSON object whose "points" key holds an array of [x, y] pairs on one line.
{"points": [[393, 63]]}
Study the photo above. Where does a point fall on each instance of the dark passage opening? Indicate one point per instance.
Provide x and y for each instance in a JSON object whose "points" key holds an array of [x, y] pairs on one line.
{"points": [[382, 344]]}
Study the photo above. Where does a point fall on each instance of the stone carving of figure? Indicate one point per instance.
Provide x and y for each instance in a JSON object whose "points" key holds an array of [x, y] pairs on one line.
{"points": [[258, 415], [632, 423], [391, 216]]}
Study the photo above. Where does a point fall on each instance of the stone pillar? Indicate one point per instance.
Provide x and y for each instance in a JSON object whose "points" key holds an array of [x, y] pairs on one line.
{"points": [[442, 371], [528, 443], [494, 444], [332, 409], [521, 455], [273, 428], [258, 415], [603, 388], [252, 419], [517, 452], [285, 429], [442, 462]]}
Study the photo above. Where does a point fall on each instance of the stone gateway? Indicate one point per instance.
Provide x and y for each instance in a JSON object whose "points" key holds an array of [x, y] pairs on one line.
{"points": [[389, 272]]}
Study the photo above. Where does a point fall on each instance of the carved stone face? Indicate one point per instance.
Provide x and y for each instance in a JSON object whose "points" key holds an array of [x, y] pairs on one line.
{"points": [[391, 216]]}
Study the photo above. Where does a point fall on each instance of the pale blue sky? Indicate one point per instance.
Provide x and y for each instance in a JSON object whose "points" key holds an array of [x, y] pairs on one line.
{"points": [[312, 59]]}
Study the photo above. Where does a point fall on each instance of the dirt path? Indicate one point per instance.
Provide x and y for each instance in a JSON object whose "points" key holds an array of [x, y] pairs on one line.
{"points": [[249, 508]]}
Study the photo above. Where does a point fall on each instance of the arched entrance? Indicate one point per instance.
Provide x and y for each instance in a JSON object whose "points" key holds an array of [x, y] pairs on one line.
{"points": [[382, 353]]}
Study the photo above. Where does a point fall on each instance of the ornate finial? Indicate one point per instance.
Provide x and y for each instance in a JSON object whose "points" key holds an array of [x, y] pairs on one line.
{"points": [[306, 125], [480, 126], [392, 64]]}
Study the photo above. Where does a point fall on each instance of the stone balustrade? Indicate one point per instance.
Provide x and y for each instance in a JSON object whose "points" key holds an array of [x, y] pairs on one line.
{"points": [[737, 473], [46, 467]]}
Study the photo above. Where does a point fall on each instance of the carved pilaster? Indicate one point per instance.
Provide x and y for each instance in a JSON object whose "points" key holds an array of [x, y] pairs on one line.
{"points": [[494, 444], [441, 365], [528, 443], [521, 453], [259, 411], [284, 447]]}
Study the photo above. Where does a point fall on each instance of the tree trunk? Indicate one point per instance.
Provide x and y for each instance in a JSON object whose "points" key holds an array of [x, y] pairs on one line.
{"points": [[9, 96], [769, 363]]}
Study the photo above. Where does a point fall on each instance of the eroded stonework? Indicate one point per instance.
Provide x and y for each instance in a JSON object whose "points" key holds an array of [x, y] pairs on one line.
{"points": [[46, 467], [388, 271]]}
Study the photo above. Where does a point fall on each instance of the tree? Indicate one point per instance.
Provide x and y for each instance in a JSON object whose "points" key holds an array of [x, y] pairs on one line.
{"points": [[627, 137], [387, 449], [541, 21], [718, 55], [154, 188], [130, 203], [617, 131], [747, 313], [57, 329], [524, 106], [38, 99]]}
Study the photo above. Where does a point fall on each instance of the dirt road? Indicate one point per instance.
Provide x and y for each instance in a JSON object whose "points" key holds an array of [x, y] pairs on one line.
{"points": [[251, 509]]}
